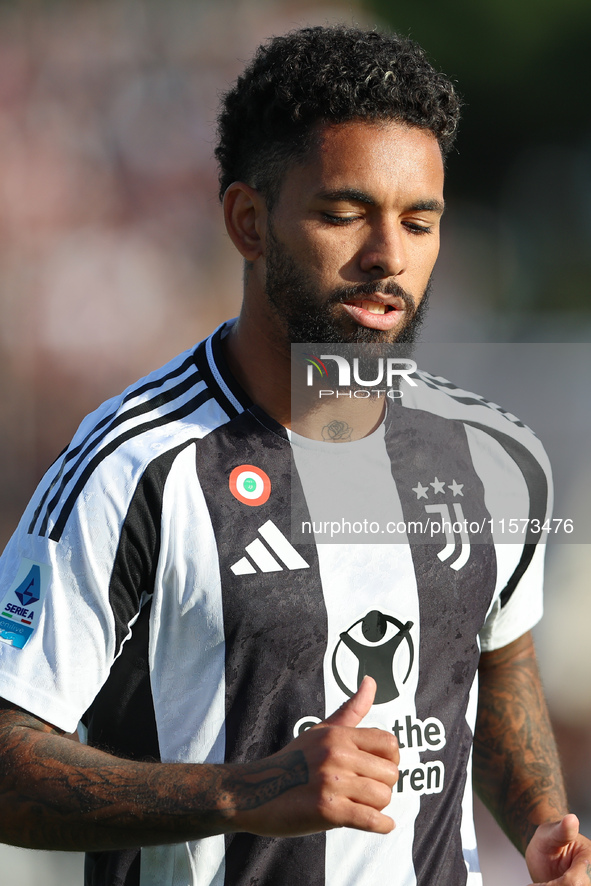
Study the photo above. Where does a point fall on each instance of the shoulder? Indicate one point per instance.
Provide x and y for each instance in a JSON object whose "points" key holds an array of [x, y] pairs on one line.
{"points": [[147, 424], [436, 395], [508, 456]]}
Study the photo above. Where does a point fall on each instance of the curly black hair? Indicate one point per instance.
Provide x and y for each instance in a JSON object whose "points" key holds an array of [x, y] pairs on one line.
{"points": [[325, 75]]}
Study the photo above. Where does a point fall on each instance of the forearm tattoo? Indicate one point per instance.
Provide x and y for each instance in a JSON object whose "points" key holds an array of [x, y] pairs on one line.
{"points": [[57, 794], [517, 772], [263, 782]]}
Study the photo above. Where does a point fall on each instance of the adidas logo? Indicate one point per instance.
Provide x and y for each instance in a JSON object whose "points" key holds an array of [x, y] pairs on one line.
{"points": [[262, 556]]}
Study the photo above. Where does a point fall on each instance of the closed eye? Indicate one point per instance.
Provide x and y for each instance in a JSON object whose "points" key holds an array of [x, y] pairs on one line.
{"points": [[414, 228], [339, 219]]}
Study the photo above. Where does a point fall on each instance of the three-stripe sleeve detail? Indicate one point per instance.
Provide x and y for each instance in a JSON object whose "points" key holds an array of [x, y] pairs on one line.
{"points": [[537, 487]]}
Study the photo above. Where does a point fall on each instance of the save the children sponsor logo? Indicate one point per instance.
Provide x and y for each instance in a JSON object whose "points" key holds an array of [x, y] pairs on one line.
{"points": [[414, 736], [21, 607], [378, 645], [381, 645]]}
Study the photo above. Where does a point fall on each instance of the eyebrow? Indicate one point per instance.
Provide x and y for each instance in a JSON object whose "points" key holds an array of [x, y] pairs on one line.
{"points": [[355, 196], [347, 194]]}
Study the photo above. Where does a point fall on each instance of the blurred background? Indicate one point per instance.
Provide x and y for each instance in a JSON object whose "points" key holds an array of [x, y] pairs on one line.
{"points": [[113, 256]]}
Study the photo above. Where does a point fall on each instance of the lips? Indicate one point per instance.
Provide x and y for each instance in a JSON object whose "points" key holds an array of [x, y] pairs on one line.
{"points": [[375, 313]]}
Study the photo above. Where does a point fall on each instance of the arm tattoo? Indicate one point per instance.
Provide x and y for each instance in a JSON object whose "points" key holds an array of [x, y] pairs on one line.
{"points": [[58, 794], [517, 772], [264, 782]]}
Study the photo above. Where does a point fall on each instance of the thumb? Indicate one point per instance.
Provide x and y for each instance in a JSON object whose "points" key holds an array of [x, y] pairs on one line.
{"points": [[564, 831], [355, 708], [553, 836]]}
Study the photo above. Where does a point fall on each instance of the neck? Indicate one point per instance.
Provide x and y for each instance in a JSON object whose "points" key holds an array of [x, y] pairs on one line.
{"points": [[259, 357]]}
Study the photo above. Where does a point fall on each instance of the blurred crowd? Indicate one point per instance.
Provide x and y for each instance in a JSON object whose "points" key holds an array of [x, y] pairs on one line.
{"points": [[112, 252]]}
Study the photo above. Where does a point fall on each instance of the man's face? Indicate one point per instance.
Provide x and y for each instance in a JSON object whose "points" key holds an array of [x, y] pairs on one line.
{"points": [[352, 239]]}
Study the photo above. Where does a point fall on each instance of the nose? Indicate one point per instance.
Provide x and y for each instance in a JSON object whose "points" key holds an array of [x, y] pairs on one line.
{"points": [[383, 253]]}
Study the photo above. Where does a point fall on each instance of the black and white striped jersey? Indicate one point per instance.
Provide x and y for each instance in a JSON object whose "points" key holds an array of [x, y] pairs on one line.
{"points": [[154, 590]]}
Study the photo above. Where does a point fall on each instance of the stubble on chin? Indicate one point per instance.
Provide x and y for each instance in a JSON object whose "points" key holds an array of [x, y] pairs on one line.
{"points": [[294, 300]]}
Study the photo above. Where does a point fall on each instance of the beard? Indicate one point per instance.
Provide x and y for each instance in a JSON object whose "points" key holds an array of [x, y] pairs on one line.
{"points": [[294, 297]]}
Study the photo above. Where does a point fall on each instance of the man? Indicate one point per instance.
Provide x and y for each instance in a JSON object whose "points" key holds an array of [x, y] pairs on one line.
{"points": [[152, 591]]}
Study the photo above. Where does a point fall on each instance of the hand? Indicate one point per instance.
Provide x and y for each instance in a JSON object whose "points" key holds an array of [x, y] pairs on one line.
{"points": [[340, 777], [558, 855]]}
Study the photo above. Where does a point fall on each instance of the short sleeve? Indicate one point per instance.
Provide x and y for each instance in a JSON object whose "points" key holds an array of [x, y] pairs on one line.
{"points": [[68, 599], [517, 483], [507, 621]]}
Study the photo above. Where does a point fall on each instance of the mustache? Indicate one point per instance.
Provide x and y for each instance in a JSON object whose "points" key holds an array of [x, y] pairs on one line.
{"points": [[378, 287]]}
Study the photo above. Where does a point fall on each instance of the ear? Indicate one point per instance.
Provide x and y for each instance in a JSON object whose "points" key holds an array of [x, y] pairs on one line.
{"points": [[245, 215]]}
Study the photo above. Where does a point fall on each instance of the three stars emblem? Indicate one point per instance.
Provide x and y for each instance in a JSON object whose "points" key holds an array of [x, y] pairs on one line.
{"points": [[438, 487]]}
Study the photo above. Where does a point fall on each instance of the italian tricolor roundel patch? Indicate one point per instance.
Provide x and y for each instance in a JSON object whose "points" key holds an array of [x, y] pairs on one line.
{"points": [[250, 485]]}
